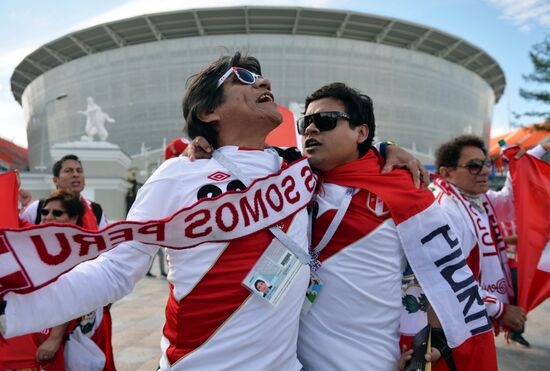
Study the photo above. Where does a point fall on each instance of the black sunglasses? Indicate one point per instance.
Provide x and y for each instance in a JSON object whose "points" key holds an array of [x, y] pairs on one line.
{"points": [[475, 166], [55, 212], [324, 121]]}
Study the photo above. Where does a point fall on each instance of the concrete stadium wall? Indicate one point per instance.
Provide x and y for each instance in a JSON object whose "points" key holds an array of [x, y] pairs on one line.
{"points": [[420, 100]]}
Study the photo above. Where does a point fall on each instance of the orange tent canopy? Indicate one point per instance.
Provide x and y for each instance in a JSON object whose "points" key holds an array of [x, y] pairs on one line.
{"points": [[527, 137]]}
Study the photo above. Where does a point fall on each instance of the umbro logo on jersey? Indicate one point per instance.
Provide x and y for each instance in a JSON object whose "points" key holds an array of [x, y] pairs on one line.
{"points": [[218, 176]]}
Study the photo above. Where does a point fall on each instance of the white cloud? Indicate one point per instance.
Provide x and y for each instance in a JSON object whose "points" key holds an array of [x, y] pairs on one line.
{"points": [[524, 13]]}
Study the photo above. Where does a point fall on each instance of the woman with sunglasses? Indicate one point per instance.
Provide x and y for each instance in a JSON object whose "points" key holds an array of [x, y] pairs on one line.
{"points": [[59, 207], [63, 207]]}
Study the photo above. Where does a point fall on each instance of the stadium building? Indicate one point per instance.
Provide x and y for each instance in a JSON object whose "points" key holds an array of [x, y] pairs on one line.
{"points": [[427, 85], [130, 76]]}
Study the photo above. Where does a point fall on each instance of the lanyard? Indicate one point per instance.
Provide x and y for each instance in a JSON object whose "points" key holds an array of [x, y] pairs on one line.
{"points": [[288, 242], [334, 223]]}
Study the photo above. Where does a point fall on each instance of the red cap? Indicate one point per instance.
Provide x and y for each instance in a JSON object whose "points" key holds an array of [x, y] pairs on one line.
{"points": [[175, 148]]}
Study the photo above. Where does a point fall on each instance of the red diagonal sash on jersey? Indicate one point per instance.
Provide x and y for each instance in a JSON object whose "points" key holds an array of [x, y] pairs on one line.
{"points": [[193, 320], [434, 254], [531, 183], [44, 252]]}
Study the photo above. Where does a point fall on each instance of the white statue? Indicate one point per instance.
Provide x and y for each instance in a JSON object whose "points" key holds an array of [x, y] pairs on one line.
{"points": [[95, 122]]}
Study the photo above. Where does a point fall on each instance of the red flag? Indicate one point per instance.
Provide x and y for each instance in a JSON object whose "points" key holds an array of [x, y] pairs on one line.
{"points": [[18, 352], [531, 183], [285, 134], [9, 200]]}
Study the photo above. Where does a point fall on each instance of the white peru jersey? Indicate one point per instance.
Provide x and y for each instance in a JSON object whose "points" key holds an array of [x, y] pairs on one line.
{"points": [[354, 323], [212, 321]]}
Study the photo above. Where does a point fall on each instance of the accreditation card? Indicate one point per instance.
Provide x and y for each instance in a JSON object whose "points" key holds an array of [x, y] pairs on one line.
{"points": [[274, 273]]}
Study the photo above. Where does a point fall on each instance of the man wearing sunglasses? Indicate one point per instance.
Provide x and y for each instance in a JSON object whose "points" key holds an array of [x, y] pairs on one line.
{"points": [[68, 176], [213, 321], [366, 224], [463, 192]]}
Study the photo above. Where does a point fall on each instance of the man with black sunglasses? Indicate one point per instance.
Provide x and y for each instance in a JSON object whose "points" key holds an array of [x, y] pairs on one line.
{"points": [[367, 224], [463, 192]]}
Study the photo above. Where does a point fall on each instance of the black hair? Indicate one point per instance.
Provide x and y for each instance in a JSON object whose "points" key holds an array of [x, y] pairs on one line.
{"points": [[203, 95], [56, 168], [358, 106], [448, 153], [257, 282]]}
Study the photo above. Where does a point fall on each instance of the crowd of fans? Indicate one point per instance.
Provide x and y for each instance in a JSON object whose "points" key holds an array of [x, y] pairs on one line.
{"points": [[369, 253]]}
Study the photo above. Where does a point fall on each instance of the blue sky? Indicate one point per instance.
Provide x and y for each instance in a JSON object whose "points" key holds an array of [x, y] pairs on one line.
{"points": [[506, 29]]}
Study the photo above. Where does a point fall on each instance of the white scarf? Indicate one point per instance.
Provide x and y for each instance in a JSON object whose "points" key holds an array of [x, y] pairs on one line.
{"points": [[481, 219]]}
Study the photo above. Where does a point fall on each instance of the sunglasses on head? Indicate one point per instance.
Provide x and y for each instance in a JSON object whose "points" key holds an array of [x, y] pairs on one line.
{"points": [[244, 76], [475, 166], [324, 121], [55, 212]]}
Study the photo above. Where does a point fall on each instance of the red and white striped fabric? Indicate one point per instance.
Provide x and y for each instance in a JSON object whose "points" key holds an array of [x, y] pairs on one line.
{"points": [[434, 253], [212, 321]]}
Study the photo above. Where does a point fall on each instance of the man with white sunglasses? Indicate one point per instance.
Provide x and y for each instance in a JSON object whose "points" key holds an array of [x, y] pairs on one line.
{"points": [[214, 321]]}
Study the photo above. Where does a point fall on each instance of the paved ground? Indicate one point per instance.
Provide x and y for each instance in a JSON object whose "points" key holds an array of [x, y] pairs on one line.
{"points": [[138, 320]]}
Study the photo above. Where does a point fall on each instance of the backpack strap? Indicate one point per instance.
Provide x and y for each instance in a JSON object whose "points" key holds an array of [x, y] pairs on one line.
{"points": [[98, 212]]}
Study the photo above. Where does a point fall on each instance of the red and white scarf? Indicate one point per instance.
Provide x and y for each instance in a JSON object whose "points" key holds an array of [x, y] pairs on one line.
{"points": [[494, 273], [434, 253], [33, 257]]}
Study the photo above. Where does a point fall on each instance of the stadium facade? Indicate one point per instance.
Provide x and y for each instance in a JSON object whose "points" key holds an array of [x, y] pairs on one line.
{"points": [[427, 85]]}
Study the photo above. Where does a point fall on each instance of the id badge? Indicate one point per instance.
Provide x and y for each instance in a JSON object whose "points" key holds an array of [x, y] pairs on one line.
{"points": [[273, 274], [315, 285]]}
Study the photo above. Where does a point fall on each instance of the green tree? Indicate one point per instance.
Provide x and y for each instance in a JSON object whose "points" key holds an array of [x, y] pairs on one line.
{"points": [[540, 57]]}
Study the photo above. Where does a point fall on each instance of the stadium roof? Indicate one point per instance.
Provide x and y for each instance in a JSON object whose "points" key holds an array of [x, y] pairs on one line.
{"points": [[257, 20]]}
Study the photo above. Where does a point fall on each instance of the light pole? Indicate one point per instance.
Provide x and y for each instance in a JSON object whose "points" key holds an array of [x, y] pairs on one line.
{"points": [[43, 167]]}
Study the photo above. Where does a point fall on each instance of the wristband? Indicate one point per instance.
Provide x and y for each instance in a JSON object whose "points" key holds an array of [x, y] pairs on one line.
{"points": [[384, 146]]}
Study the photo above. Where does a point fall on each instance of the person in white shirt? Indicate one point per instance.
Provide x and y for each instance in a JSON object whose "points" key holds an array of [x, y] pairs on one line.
{"points": [[463, 192], [212, 321]]}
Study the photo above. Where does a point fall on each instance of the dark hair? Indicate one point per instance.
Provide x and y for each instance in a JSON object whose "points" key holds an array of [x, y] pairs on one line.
{"points": [[257, 282], [448, 153], [56, 168], [202, 95], [72, 204], [358, 106]]}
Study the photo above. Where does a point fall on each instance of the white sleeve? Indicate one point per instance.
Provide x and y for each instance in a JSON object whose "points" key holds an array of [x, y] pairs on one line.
{"points": [[494, 307], [95, 283], [29, 213], [88, 286]]}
